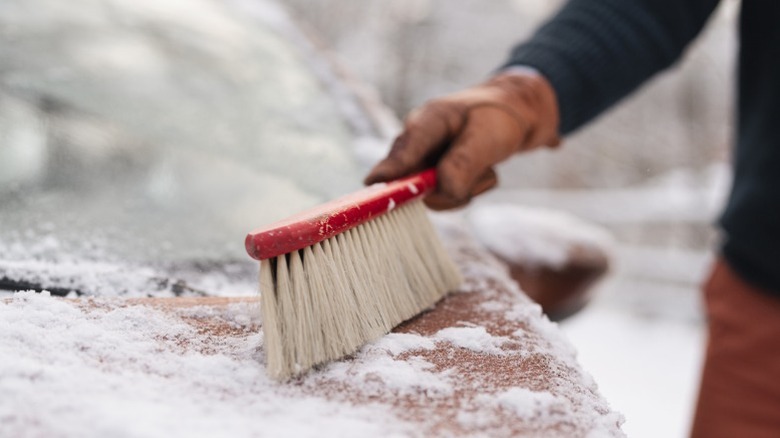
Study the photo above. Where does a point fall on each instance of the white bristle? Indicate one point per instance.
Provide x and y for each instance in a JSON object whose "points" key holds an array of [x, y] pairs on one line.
{"points": [[323, 302]]}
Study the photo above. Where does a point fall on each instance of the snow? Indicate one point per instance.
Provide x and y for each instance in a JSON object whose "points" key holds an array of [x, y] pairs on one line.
{"points": [[644, 336], [544, 328], [409, 376], [131, 155], [112, 367], [528, 404], [45, 263], [647, 367], [381, 369], [397, 343], [473, 338], [138, 372], [678, 195], [537, 237]]}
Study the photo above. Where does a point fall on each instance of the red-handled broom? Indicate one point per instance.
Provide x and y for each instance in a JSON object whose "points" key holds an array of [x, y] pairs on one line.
{"points": [[347, 272]]}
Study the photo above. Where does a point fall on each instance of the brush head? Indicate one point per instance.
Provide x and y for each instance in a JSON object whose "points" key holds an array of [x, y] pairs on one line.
{"points": [[346, 273], [335, 217]]}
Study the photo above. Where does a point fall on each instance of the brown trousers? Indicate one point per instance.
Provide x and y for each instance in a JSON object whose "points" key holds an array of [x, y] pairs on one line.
{"points": [[740, 387]]}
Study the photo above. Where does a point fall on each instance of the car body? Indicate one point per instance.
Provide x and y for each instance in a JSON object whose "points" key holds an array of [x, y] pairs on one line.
{"points": [[141, 141]]}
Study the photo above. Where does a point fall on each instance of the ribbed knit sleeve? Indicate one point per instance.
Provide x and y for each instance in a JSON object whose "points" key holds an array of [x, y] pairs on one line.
{"points": [[594, 52]]}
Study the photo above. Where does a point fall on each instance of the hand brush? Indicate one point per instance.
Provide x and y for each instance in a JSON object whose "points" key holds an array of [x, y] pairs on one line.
{"points": [[347, 272]]}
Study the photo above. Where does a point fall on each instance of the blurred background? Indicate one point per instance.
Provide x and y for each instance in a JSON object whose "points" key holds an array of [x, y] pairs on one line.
{"points": [[146, 106], [653, 171]]}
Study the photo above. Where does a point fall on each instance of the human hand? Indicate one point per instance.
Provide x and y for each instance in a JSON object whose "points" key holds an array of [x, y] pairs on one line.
{"points": [[465, 134]]}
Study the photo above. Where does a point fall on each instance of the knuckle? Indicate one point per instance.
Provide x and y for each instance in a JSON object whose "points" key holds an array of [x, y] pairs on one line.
{"points": [[450, 112], [460, 160], [454, 182], [445, 111], [400, 150]]}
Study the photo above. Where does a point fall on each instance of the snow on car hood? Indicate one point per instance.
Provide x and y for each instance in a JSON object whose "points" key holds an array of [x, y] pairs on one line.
{"points": [[483, 362]]}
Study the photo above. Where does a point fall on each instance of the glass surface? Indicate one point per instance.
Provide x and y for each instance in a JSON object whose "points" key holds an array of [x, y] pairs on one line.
{"points": [[140, 140]]}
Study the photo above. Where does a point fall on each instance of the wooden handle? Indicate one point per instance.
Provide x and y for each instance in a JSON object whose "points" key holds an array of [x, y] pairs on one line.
{"points": [[335, 217]]}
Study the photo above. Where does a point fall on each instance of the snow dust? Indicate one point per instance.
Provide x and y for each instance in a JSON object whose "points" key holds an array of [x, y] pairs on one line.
{"points": [[473, 338]]}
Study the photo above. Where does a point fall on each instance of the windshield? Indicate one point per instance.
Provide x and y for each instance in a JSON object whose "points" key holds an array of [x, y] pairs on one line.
{"points": [[140, 140]]}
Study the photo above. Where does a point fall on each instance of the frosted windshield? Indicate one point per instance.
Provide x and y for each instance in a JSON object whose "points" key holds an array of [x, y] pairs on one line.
{"points": [[155, 133]]}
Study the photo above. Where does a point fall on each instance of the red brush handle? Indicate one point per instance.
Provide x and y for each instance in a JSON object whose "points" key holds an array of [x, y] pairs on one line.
{"points": [[335, 217]]}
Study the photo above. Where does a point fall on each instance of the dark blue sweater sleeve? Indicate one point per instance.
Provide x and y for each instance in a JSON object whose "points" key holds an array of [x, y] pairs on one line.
{"points": [[594, 52]]}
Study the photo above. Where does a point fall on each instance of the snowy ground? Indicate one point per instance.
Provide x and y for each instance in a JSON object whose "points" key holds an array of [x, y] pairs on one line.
{"points": [[647, 367]]}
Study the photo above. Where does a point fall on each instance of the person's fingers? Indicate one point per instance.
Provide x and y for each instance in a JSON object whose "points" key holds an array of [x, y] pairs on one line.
{"points": [[489, 137], [438, 201], [427, 131], [487, 181]]}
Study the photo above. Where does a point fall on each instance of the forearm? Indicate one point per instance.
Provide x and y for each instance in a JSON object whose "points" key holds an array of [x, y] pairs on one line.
{"points": [[594, 52]]}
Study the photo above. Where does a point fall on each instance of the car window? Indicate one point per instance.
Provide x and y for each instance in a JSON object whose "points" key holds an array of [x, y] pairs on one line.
{"points": [[143, 139]]}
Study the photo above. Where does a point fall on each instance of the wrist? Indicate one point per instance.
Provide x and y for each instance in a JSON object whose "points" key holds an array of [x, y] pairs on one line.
{"points": [[531, 96], [522, 70]]}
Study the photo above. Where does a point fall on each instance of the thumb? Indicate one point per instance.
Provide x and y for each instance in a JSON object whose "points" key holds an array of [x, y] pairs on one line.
{"points": [[438, 201], [427, 132]]}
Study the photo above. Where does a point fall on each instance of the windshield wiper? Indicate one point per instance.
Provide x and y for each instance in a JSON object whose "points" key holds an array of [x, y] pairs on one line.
{"points": [[11, 285], [177, 287]]}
